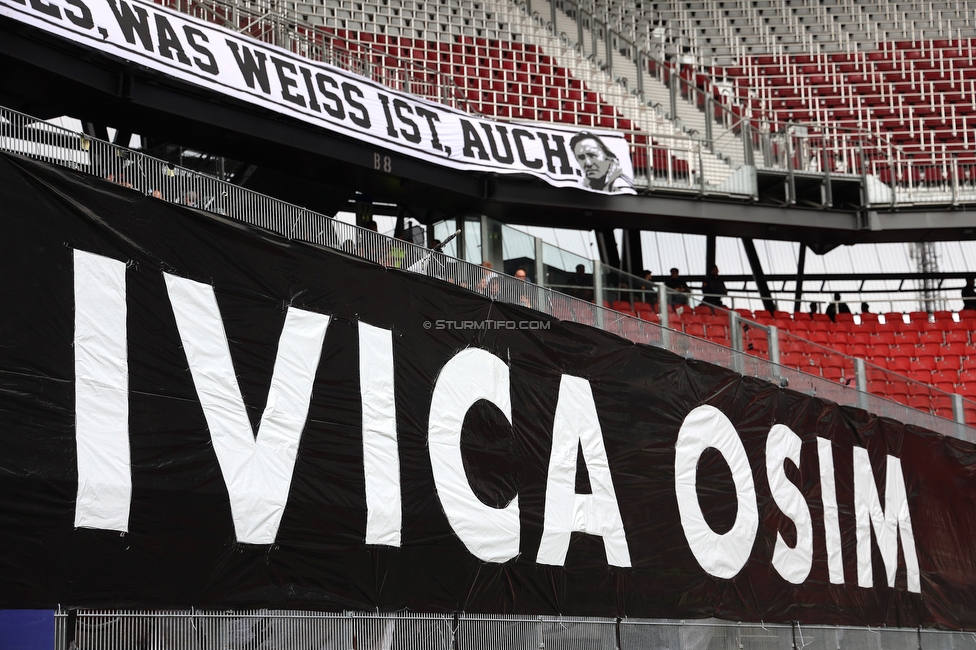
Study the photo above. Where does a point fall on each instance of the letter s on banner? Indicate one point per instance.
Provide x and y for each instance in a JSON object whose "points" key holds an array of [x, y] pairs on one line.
{"points": [[792, 563], [721, 555], [490, 534]]}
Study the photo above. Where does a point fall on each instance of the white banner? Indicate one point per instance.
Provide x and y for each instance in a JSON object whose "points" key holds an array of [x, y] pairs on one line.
{"points": [[220, 60]]}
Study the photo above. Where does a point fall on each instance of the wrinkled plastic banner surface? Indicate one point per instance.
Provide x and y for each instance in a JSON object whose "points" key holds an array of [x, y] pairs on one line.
{"points": [[225, 62], [196, 413]]}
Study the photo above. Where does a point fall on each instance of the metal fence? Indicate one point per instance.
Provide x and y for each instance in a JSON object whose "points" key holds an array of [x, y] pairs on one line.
{"points": [[156, 178], [300, 630]]}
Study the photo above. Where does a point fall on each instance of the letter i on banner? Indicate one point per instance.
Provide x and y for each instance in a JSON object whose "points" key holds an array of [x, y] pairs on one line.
{"points": [[101, 394], [381, 459], [835, 560]]}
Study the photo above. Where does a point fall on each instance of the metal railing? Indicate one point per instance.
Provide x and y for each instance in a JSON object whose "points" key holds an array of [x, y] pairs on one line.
{"points": [[152, 177], [302, 630]]}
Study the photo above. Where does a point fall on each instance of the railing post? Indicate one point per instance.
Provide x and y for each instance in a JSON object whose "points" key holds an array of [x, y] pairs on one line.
{"points": [[954, 175], [641, 67], [828, 188], [958, 414], [598, 284], [662, 306], [540, 265], [790, 179], [861, 383], [674, 91], [864, 173], [735, 340], [773, 336], [662, 303], [709, 116], [747, 152]]}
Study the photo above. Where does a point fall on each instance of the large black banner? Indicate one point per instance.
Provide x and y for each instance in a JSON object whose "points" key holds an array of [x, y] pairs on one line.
{"points": [[196, 413]]}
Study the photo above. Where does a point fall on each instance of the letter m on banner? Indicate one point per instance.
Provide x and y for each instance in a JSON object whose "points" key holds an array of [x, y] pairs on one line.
{"points": [[890, 525]]}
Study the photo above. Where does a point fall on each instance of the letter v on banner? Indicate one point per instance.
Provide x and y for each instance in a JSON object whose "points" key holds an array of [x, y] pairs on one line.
{"points": [[576, 423], [257, 472]]}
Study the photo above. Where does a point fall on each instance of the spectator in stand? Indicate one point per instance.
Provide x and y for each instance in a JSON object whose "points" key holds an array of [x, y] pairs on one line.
{"points": [[580, 280], [969, 294], [837, 307], [713, 288], [678, 289], [523, 298], [865, 308], [814, 308], [485, 277], [650, 291]]}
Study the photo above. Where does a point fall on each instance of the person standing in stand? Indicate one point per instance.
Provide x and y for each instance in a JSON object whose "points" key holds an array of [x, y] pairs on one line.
{"points": [[713, 288], [968, 294]]}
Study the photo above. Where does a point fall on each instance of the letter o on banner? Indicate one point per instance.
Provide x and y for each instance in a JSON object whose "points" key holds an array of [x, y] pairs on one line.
{"points": [[721, 555]]}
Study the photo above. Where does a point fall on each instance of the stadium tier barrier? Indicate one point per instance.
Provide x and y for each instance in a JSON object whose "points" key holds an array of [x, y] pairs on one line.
{"points": [[302, 630], [25, 135]]}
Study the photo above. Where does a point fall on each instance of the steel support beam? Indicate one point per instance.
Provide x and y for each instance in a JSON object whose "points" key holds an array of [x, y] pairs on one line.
{"points": [[758, 275], [800, 270]]}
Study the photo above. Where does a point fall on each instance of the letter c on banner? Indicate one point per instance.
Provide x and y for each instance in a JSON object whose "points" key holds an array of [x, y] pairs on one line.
{"points": [[721, 555], [490, 534]]}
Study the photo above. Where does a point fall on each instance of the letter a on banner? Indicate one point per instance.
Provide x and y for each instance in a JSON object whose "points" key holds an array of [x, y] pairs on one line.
{"points": [[257, 472], [101, 394], [576, 424], [490, 534]]}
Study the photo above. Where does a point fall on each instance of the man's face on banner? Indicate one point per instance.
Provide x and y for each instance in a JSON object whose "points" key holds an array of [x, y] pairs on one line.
{"points": [[592, 158]]}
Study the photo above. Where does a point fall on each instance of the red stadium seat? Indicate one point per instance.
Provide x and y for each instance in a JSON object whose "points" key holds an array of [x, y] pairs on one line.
{"points": [[925, 364], [833, 374], [901, 365], [931, 336], [956, 349], [957, 336], [922, 375], [883, 338], [899, 350], [945, 377], [948, 364]]}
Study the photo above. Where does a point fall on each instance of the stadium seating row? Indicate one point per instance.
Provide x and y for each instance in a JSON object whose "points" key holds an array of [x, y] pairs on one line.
{"points": [[936, 350]]}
